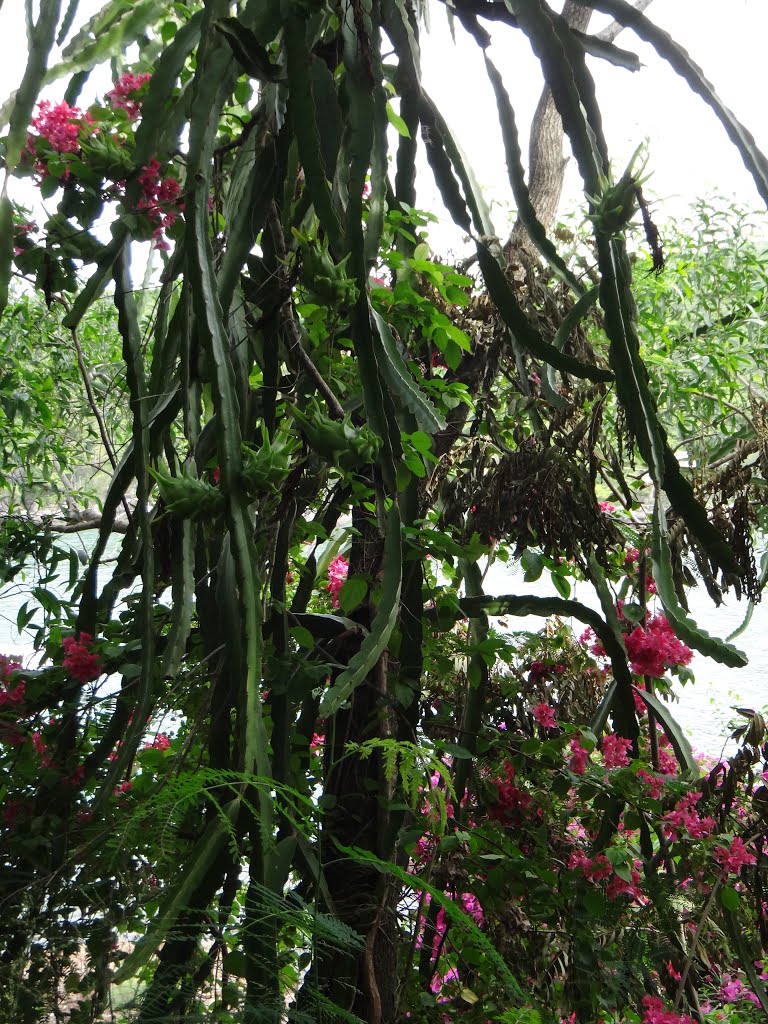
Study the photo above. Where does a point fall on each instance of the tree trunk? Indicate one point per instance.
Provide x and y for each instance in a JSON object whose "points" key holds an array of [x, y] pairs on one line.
{"points": [[546, 163]]}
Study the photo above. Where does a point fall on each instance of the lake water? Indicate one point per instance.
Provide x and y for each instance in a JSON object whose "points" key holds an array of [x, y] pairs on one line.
{"points": [[704, 708]]}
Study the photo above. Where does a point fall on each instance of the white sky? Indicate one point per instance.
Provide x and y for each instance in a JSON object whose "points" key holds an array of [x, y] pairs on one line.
{"points": [[690, 153]]}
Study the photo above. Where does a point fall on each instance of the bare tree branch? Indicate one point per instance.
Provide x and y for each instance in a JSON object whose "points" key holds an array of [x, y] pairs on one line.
{"points": [[608, 34]]}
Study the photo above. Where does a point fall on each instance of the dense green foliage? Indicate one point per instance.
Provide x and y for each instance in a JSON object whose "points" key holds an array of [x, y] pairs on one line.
{"points": [[285, 756]]}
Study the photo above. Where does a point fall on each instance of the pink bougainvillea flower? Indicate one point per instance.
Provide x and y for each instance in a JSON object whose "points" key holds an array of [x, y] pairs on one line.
{"points": [[655, 648], [736, 858], [734, 990], [471, 905], [59, 126], [512, 803], [81, 663], [606, 506], [667, 760], [12, 696], [75, 778], [685, 818], [337, 575], [545, 716], [123, 95], [615, 750], [159, 200], [654, 1013], [654, 783], [160, 742], [579, 756]]}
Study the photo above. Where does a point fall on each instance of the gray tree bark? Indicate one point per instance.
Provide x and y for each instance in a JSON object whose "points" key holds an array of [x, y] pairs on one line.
{"points": [[546, 163]]}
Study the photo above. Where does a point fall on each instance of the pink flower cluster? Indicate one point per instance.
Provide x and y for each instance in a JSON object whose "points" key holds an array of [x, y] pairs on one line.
{"points": [[736, 858], [734, 989], [59, 126], [599, 868], [654, 1013], [81, 663], [337, 575], [615, 750], [545, 716], [655, 648], [470, 904], [654, 784], [511, 803], [159, 200], [10, 696], [685, 818], [123, 95], [160, 742], [579, 756]]}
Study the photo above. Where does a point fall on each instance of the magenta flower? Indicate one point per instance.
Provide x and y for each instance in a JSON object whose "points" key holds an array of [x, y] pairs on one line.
{"points": [[337, 575], [545, 716], [615, 750], [59, 126], [159, 201], [654, 1013], [736, 858], [579, 756], [123, 95], [81, 663], [655, 648]]}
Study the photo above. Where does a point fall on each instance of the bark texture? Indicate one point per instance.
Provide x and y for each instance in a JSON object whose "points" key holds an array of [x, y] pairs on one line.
{"points": [[546, 163]]}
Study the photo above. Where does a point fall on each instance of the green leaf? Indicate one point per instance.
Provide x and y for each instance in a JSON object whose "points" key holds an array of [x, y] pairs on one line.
{"points": [[41, 38], [763, 580], [303, 637], [633, 612], [353, 593], [461, 924], [679, 741], [156, 110], [525, 334], [305, 122], [729, 898], [205, 853], [533, 565], [6, 247], [375, 643], [683, 625], [397, 122], [561, 585], [248, 51], [214, 80], [108, 33], [401, 381], [599, 719], [747, 955]]}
